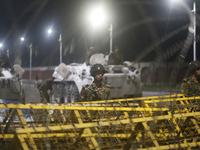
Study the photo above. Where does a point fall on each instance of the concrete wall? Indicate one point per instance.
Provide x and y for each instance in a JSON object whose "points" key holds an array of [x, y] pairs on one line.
{"points": [[153, 73]]}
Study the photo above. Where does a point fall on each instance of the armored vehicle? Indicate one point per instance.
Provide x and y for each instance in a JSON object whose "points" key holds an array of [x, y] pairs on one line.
{"points": [[69, 80], [10, 84]]}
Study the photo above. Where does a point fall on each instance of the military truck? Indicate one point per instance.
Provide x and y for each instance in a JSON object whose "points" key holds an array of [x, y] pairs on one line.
{"points": [[10, 84], [69, 79]]}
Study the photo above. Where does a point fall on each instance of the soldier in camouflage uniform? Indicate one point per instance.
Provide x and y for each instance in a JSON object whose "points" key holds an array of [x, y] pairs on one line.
{"points": [[44, 87], [116, 58], [96, 91], [4, 60], [191, 85]]}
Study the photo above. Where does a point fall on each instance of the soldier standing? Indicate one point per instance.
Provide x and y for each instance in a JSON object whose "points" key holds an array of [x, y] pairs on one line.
{"points": [[115, 58], [4, 60], [44, 87], [191, 85], [96, 91]]}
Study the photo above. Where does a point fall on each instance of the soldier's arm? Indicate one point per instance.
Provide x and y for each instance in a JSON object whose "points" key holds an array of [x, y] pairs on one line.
{"points": [[107, 88], [84, 94], [186, 89]]}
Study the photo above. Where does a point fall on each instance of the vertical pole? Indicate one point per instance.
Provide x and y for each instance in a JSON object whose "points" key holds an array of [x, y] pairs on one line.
{"points": [[30, 60], [111, 30], [194, 44], [8, 53], [60, 40]]}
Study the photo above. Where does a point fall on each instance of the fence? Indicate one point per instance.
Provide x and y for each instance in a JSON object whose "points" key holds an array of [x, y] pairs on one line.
{"points": [[158, 122]]}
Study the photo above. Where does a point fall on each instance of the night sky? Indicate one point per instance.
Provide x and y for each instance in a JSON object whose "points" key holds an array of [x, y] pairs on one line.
{"points": [[144, 30]]}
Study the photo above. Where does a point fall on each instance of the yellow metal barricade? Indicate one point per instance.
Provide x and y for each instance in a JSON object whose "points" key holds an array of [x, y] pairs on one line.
{"points": [[159, 122]]}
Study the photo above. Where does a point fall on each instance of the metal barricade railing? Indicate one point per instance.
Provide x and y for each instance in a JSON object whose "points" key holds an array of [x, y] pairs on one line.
{"points": [[159, 122]]}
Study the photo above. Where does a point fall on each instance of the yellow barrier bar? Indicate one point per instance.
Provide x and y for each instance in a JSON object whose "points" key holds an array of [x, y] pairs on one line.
{"points": [[88, 131], [117, 122], [21, 106], [173, 146], [21, 118], [135, 99], [169, 100]]}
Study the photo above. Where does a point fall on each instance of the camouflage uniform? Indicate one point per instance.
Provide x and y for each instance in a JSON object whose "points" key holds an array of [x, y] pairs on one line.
{"points": [[4, 61], [116, 58], [44, 87], [92, 93], [190, 88]]}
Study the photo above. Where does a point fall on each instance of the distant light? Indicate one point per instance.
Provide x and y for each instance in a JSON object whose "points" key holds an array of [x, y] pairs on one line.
{"points": [[176, 1], [22, 38], [97, 16], [49, 31], [1, 44]]}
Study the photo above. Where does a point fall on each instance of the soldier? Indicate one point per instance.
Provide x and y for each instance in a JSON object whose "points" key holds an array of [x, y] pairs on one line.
{"points": [[4, 60], [191, 85], [116, 57], [89, 54], [44, 87], [96, 91]]}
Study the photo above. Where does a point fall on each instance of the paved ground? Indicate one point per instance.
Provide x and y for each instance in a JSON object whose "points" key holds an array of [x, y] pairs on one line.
{"points": [[158, 93], [32, 93]]}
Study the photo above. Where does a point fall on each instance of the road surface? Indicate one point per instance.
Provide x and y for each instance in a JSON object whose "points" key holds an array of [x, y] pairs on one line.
{"points": [[32, 94]]}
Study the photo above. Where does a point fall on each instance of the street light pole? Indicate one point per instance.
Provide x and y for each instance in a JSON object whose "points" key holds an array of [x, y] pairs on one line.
{"points": [[111, 31], [194, 44], [60, 41], [30, 46]]}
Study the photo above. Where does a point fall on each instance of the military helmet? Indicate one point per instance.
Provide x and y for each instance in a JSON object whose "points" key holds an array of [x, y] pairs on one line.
{"points": [[193, 65], [96, 67]]}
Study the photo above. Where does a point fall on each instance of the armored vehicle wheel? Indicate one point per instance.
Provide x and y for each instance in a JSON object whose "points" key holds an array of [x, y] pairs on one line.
{"points": [[66, 93], [74, 93], [55, 96], [53, 99]]}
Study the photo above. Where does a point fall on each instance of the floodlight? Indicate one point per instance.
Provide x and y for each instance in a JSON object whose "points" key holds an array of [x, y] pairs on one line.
{"points": [[49, 31], [97, 16], [22, 38]]}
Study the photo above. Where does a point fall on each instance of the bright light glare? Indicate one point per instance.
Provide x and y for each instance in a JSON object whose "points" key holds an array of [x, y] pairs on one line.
{"points": [[176, 2], [1, 44], [49, 31], [97, 16], [22, 38]]}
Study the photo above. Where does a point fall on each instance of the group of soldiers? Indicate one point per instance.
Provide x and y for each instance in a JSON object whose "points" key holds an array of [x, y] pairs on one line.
{"points": [[95, 91], [115, 58], [98, 91]]}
